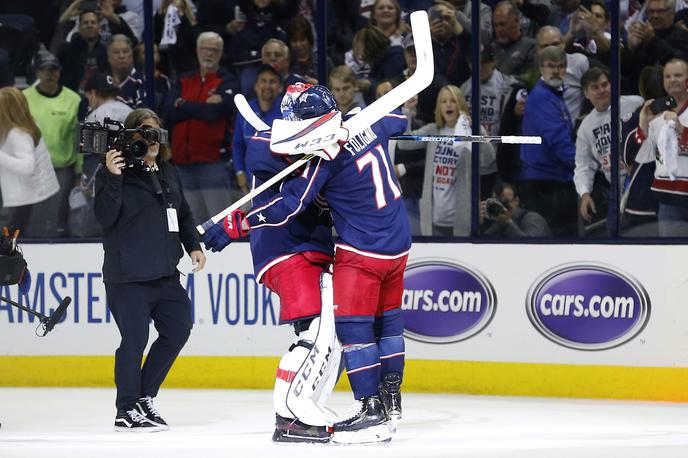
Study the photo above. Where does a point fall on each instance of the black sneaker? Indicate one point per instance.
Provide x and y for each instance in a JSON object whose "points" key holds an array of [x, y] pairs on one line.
{"points": [[371, 413], [132, 420], [291, 430], [148, 410], [390, 394]]}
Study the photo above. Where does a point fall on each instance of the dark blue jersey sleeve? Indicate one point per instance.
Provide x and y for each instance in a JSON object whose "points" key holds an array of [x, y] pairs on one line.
{"points": [[294, 197]]}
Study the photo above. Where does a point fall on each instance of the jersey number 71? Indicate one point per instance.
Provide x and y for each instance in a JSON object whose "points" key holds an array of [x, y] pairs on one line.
{"points": [[373, 158]]}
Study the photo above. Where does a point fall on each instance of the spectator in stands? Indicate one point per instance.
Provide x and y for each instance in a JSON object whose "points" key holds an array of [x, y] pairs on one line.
{"points": [[656, 40], [26, 173], [576, 65], [56, 110], [386, 16], [198, 109], [593, 141], [268, 88], [639, 217], [464, 10], [671, 157], [425, 109], [265, 19], [451, 44], [495, 88], [372, 47], [534, 14], [508, 155], [547, 169], [347, 21], [502, 215], [563, 14], [303, 59], [122, 71], [274, 53], [174, 24], [590, 31], [84, 55], [112, 19], [514, 52], [445, 205], [409, 166], [343, 84], [162, 81]]}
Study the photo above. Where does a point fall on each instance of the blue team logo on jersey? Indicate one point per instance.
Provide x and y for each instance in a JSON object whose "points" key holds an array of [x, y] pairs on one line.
{"points": [[445, 301], [588, 306]]}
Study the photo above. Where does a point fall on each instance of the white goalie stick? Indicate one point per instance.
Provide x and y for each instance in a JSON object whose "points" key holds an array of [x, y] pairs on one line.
{"points": [[249, 115], [421, 78], [512, 139]]}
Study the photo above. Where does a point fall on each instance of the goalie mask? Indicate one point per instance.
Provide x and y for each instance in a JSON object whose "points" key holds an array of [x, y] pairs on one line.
{"points": [[305, 101]]}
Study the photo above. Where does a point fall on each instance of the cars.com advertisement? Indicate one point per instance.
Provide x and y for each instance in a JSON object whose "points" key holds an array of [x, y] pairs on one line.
{"points": [[564, 304], [445, 301], [588, 306]]}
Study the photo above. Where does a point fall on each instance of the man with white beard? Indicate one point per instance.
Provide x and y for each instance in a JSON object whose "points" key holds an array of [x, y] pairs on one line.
{"points": [[547, 169]]}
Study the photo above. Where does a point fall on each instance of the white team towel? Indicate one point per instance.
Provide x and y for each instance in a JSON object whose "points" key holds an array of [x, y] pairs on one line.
{"points": [[169, 34], [667, 144]]}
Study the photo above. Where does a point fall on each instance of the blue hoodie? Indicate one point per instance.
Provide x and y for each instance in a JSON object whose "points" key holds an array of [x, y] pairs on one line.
{"points": [[546, 116]]}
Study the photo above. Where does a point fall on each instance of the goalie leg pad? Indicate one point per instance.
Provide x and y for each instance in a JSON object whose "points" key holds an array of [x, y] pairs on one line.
{"points": [[305, 374]]}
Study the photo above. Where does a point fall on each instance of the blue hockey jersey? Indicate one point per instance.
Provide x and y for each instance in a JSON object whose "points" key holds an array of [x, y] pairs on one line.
{"points": [[310, 231], [361, 189]]}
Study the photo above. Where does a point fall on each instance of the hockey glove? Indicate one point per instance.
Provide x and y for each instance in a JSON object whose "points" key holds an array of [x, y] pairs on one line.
{"points": [[215, 238], [222, 233]]}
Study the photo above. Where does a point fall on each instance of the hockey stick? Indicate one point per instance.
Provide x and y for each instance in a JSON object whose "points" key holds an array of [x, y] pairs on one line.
{"points": [[249, 115], [512, 139], [201, 228], [420, 79]]}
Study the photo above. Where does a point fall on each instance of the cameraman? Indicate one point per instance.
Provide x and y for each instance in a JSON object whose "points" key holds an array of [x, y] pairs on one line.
{"points": [[145, 220], [501, 216]]}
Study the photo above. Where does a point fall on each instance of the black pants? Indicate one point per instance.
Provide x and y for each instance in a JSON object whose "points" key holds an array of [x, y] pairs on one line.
{"points": [[133, 305]]}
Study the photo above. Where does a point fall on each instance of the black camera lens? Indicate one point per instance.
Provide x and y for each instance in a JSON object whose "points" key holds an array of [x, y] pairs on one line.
{"points": [[138, 149], [494, 208]]}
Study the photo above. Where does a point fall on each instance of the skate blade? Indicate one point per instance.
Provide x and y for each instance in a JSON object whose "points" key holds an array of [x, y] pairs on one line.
{"points": [[392, 423], [152, 429], [374, 435]]}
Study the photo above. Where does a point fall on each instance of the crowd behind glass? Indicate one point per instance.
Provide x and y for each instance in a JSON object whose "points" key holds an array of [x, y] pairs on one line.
{"points": [[543, 71]]}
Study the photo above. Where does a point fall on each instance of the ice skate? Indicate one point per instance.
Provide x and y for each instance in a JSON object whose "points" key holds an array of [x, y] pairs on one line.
{"points": [[390, 396], [292, 430], [367, 426]]}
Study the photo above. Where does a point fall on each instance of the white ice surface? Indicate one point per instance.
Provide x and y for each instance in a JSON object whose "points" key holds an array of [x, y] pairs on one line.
{"points": [[77, 422]]}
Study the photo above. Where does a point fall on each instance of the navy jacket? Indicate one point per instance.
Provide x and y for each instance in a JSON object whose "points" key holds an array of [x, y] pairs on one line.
{"points": [[546, 116], [137, 243]]}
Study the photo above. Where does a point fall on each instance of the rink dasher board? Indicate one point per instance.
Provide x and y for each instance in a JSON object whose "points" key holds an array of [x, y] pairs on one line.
{"points": [[507, 350]]}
